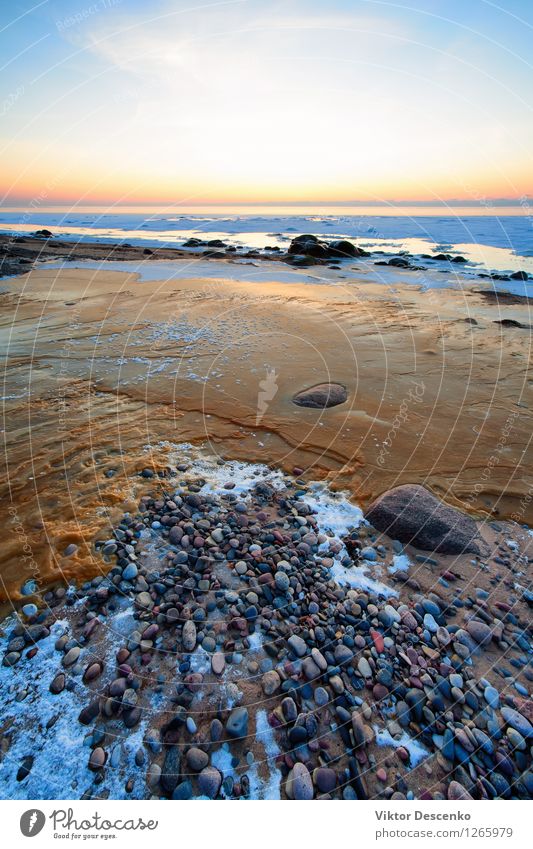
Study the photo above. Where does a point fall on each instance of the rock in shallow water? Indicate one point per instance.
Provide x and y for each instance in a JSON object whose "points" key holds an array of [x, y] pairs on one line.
{"points": [[321, 396]]}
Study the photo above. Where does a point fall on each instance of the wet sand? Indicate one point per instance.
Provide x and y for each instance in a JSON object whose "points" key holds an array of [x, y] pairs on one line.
{"points": [[105, 371]]}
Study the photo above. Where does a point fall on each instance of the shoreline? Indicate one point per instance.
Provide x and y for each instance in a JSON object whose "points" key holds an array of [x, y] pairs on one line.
{"points": [[19, 254]]}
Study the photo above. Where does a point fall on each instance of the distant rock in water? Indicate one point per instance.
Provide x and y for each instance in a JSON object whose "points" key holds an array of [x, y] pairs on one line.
{"points": [[309, 245], [345, 248], [510, 322], [321, 396], [413, 515]]}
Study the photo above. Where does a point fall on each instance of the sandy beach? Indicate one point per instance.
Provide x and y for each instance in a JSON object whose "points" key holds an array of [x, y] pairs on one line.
{"points": [[198, 593], [105, 370]]}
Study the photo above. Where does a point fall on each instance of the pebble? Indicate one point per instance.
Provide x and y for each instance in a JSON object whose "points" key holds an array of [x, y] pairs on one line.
{"points": [[197, 759], [492, 697], [517, 721], [270, 682], [218, 662], [282, 581], [97, 759], [92, 672], [71, 656], [364, 667], [153, 776], [321, 696], [209, 781], [299, 785], [237, 723], [298, 645], [188, 636], [325, 779], [457, 792], [130, 572], [480, 632], [58, 684]]}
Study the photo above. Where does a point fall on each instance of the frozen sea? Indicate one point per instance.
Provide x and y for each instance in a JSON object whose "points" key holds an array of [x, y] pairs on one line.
{"points": [[492, 238]]}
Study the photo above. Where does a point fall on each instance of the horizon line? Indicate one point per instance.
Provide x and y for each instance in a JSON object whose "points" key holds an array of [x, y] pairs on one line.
{"points": [[447, 202]]}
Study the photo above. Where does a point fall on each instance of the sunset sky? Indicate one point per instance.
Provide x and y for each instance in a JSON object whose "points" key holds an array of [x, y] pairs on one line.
{"points": [[123, 101]]}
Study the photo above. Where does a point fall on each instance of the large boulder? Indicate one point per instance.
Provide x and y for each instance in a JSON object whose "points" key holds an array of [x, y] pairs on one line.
{"points": [[309, 246], [413, 515], [344, 248], [321, 396]]}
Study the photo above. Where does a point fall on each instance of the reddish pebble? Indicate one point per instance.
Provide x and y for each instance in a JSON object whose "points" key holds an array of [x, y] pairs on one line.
{"points": [[378, 640], [381, 775]]}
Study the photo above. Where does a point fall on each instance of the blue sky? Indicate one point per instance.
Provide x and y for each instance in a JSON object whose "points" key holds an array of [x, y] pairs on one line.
{"points": [[264, 100]]}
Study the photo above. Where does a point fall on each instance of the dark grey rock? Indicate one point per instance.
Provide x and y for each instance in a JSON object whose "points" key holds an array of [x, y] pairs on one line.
{"points": [[413, 515], [321, 396]]}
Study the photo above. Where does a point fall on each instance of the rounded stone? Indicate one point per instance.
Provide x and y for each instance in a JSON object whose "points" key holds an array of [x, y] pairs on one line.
{"points": [[197, 759], [237, 723], [189, 636], [298, 645], [218, 662], [270, 682], [299, 785], [209, 781], [321, 396], [480, 632], [130, 572], [281, 579], [325, 779], [364, 667], [97, 759]]}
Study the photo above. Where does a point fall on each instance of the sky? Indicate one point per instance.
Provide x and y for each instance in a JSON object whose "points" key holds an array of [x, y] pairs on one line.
{"points": [[250, 101]]}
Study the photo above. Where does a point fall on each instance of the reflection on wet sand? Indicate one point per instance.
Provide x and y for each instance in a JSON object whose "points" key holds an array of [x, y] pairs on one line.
{"points": [[103, 372]]}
